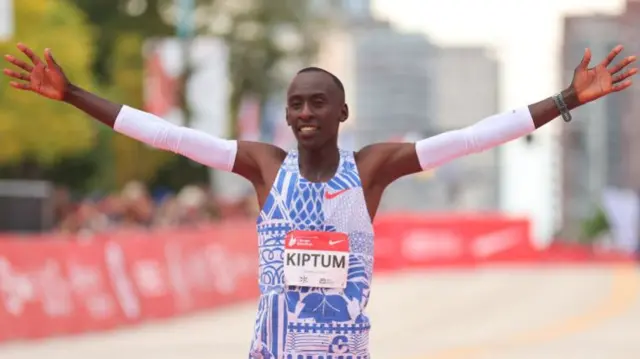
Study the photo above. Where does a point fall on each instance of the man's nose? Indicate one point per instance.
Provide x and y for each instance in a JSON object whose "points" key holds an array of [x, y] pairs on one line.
{"points": [[305, 113]]}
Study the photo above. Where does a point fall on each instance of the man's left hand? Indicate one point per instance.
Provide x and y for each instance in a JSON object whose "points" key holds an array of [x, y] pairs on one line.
{"points": [[589, 84]]}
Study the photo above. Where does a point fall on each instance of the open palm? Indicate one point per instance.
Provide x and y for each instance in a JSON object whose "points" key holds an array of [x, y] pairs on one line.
{"points": [[592, 83], [46, 79]]}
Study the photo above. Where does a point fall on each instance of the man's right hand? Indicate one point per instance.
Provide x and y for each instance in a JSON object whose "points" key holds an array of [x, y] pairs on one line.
{"points": [[46, 79], [257, 162]]}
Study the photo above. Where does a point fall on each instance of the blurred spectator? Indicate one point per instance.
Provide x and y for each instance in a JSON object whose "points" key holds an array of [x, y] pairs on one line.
{"points": [[62, 204], [87, 217], [191, 203], [134, 207], [137, 208]]}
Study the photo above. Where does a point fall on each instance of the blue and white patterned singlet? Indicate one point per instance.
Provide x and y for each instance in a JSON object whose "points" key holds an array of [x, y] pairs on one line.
{"points": [[313, 323]]}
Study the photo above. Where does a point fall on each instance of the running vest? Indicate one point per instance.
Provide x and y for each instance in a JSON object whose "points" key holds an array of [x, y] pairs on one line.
{"points": [[315, 243]]}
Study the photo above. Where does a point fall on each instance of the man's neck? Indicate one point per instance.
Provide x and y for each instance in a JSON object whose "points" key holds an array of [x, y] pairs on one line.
{"points": [[318, 165]]}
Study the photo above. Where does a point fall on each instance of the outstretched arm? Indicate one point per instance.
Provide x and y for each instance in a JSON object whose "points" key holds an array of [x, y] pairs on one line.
{"points": [[47, 79], [394, 160]]}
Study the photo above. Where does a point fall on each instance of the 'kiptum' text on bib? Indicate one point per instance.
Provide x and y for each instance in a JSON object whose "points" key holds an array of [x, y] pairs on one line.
{"points": [[316, 259]]}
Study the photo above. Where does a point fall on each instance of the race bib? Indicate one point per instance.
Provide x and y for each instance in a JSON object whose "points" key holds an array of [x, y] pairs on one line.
{"points": [[316, 259]]}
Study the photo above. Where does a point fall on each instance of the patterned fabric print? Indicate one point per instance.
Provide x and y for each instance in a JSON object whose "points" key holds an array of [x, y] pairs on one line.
{"points": [[313, 323]]}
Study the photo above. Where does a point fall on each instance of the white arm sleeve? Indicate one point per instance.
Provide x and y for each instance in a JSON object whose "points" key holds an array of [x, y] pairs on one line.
{"points": [[196, 145], [487, 133]]}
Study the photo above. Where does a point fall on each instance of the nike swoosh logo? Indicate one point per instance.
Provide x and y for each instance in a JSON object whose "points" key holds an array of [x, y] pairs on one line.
{"points": [[331, 243], [329, 195]]}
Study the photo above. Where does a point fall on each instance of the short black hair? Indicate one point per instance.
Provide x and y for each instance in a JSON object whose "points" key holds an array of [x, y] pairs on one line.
{"points": [[335, 78]]}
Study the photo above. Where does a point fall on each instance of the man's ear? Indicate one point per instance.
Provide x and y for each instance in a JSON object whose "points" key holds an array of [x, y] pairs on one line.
{"points": [[345, 113]]}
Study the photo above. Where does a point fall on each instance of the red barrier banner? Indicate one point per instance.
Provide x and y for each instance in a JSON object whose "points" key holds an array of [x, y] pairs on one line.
{"points": [[412, 241], [54, 285]]}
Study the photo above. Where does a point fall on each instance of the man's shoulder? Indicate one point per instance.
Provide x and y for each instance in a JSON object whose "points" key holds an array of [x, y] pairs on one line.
{"points": [[387, 161], [263, 149], [258, 161], [378, 150]]}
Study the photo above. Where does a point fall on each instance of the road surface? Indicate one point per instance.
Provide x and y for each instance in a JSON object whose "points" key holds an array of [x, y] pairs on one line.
{"points": [[494, 313]]}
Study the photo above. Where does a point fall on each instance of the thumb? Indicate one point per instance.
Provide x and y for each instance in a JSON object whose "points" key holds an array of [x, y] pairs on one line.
{"points": [[586, 59]]}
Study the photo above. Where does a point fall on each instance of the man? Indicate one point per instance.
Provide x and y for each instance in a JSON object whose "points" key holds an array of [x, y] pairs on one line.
{"points": [[315, 233]]}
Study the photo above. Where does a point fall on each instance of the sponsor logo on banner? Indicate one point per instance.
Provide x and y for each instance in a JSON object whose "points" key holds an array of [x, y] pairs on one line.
{"points": [[223, 268], [88, 285], [44, 284], [177, 265], [53, 289], [116, 267], [16, 289], [424, 244], [149, 278], [196, 272], [486, 245]]}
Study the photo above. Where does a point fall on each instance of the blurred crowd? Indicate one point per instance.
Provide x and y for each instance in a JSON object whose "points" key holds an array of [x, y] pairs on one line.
{"points": [[135, 207]]}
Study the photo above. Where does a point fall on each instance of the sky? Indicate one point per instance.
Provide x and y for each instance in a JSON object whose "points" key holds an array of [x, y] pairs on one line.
{"points": [[527, 35]]}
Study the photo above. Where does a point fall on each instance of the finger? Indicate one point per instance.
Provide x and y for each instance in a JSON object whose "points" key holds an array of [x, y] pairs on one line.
{"points": [[586, 59], [612, 55], [17, 75], [30, 54], [48, 56], [20, 86], [625, 75], [622, 64], [19, 63], [621, 86]]}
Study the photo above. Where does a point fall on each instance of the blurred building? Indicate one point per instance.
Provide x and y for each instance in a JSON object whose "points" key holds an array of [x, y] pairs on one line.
{"points": [[466, 91], [629, 30], [388, 76], [400, 86], [598, 146]]}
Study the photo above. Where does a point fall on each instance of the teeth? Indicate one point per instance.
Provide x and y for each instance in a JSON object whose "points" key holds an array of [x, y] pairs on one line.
{"points": [[307, 129]]}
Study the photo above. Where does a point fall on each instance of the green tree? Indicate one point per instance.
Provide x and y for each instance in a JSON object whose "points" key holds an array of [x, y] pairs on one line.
{"points": [[121, 26], [113, 19], [594, 226], [124, 159], [254, 32], [37, 132], [263, 36]]}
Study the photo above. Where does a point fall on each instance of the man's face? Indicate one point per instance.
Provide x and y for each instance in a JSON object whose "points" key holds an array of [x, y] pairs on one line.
{"points": [[315, 108]]}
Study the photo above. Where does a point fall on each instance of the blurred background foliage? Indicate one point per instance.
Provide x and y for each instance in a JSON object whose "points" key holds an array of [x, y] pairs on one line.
{"points": [[105, 55]]}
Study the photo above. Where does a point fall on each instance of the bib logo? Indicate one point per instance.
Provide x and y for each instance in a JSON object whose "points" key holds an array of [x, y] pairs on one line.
{"points": [[292, 241]]}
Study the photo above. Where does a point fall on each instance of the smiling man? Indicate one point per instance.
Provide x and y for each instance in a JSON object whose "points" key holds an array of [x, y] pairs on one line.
{"points": [[315, 232]]}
